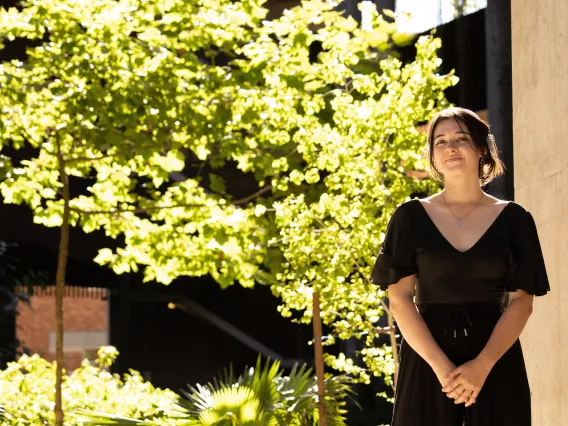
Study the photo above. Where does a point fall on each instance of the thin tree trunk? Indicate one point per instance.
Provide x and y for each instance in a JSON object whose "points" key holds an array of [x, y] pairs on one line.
{"points": [[318, 352], [60, 290], [392, 334]]}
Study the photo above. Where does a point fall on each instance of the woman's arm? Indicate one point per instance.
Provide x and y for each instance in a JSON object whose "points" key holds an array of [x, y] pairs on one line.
{"points": [[472, 375], [508, 328], [415, 330]]}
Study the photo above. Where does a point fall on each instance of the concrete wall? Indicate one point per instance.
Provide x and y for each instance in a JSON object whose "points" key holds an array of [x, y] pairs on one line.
{"points": [[540, 120]]}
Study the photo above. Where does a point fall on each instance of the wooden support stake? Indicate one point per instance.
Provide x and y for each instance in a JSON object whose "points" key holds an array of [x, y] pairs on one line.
{"points": [[318, 353]]}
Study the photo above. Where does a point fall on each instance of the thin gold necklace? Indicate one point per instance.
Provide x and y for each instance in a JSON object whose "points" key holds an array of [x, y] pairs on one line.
{"points": [[459, 220]]}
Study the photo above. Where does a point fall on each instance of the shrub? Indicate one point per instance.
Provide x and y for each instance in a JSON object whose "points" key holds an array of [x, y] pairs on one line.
{"points": [[27, 393], [262, 396]]}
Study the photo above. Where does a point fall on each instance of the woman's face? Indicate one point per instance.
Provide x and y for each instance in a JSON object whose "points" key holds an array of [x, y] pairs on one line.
{"points": [[453, 150]]}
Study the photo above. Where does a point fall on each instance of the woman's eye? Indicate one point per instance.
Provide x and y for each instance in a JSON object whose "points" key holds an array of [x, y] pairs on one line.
{"points": [[440, 142]]}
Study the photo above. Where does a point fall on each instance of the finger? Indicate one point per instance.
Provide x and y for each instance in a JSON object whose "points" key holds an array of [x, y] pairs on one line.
{"points": [[447, 381], [454, 393], [457, 392], [472, 400], [458, 395], [465, 397], [461, 397], [462, 389], [453, 373], [452, 385], [455, 384]]}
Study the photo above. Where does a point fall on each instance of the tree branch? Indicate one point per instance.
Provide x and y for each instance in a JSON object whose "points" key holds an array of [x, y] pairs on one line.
{"points": [[252, 196], [86, 159], [135, 211], [117, 154], [153, 208], [21, 128]]}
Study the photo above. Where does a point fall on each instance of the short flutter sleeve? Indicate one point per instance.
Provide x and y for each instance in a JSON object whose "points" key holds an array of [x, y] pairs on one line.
{"points": [[527, 268], [396, 258]]}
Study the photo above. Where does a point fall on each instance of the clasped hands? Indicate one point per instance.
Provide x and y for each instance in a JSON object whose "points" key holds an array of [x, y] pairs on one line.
{"points": [[464, 383]]}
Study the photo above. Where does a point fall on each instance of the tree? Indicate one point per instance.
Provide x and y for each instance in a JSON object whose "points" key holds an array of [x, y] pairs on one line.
{"points": [[108, 99], [120, 100]]}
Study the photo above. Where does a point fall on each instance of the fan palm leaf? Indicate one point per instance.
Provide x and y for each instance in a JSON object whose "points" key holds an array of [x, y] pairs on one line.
{"points": [[94, 418], [228, 406], [262, 380]]}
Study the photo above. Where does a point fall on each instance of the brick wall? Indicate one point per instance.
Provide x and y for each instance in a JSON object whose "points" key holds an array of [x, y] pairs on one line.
{"points": [[84, 310]]}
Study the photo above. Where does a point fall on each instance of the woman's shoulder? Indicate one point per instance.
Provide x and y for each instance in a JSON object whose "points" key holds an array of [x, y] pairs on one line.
{"points": [[412, 202], [515, 215], [408, 205], [517, 207]]}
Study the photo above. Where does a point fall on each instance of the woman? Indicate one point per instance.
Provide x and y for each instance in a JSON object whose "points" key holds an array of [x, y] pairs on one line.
{"points": [[449, 262]]}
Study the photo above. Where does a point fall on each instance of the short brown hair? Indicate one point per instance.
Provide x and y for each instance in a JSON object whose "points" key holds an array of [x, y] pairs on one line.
{"points": [[490, 166]]}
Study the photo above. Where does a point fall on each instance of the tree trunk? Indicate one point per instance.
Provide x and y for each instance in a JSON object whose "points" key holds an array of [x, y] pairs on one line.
{"points": [[394, 346], [60, 290], [318, 351]]}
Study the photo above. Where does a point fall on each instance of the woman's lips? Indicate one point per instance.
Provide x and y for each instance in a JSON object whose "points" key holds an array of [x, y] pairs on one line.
{"points": [[453, 159]]}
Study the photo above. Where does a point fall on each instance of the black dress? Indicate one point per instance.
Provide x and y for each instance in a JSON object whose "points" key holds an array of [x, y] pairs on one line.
{"points": [[460, 295]]}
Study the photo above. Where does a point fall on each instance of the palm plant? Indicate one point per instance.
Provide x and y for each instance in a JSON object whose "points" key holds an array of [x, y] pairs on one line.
{"points": [[285, 400], [227, 406], [262, 396]]}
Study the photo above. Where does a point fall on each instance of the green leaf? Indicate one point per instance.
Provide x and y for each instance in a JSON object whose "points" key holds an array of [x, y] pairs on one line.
{"points": [[403, 39]]}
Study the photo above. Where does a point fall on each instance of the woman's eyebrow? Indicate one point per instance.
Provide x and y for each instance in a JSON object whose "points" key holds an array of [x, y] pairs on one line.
{"points": [[456, 133]]}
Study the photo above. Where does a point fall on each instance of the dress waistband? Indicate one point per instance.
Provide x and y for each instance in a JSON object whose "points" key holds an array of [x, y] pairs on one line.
{"points": [[459, 319], [470, 307]]}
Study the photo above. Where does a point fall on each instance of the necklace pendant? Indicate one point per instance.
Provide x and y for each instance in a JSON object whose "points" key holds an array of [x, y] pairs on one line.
{"points": [[459, 222]]}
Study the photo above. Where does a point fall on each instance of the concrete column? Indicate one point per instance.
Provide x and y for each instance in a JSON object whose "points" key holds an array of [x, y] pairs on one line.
{"points": [[540, 143]]}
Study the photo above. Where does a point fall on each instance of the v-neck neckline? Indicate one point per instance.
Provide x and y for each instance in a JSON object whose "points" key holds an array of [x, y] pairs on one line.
{"points": [[448, 242]]}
